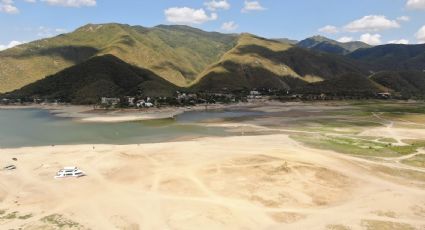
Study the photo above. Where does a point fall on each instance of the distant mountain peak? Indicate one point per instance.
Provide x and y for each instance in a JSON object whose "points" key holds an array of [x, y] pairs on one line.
{"points": [[286, 40], [320, 38], [95, 27], [327, 45]]}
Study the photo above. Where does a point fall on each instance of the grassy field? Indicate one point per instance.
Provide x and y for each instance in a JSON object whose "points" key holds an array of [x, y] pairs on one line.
{"points": [[344, 130], [357, 145]]}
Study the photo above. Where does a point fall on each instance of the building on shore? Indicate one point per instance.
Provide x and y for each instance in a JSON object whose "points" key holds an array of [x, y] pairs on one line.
{"points": [[110, 101]]}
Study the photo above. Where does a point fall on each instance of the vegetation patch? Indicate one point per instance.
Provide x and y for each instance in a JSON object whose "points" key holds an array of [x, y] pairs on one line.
{"points": [[355, 145], [390, 214], [348, 122], [416, 161], [337, 227], [414, 142], [286, 217], [403, 173], [387, 140], [385, 225], [335, 125], [392, 108], [9, 216], [24, 217], [60, 222], [415, 119], [13, 215]]}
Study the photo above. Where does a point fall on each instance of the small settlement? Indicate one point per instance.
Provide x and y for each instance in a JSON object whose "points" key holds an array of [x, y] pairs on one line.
{"points": [[191, 99]]}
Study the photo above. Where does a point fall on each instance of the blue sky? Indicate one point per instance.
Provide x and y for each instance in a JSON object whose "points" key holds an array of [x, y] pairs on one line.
{"points": [[372, 21]]}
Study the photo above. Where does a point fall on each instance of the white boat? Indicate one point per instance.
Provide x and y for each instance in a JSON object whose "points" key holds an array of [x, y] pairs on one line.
{"points": [[69, 172], [10, 167]]}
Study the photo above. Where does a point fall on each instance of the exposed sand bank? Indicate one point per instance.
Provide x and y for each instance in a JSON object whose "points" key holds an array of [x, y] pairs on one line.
{"points": [[261, 182], [89, 114], [134, 116]]}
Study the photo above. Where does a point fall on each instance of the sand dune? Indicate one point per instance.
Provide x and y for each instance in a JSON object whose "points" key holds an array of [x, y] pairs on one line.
{"points": [[260, 182]]}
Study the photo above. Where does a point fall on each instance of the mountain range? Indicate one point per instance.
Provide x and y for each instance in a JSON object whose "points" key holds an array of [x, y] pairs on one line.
{"points": [[323, 44], [117, 59], [100, 76], [176, 53]]}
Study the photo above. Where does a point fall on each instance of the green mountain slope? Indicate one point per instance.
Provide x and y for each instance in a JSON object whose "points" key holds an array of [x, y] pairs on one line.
{"points": [[286, 40], [350, 84], [176, 53], [323, 44], [101, 76], [392, 57], [208, 61], [408, 83], [257, 62]]}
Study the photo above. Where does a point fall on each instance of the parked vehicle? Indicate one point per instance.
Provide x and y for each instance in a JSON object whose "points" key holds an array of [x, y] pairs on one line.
{"points": [[70, 172]]}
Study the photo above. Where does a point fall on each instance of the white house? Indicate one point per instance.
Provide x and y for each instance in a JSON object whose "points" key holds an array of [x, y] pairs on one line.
{"points": [[143, 103], [110, 101]]}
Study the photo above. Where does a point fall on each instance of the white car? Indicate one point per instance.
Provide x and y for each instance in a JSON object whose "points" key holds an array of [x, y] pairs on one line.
{"points": [[69, 172]]}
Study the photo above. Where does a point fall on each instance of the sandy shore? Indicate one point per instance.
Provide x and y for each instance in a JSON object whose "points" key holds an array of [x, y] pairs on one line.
{"points": [[261, 182], [245, 182], [89, 114]]}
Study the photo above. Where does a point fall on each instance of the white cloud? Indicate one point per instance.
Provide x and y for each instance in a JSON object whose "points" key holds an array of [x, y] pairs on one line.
{"points": [[44, 32], [252, 6], [59, 30], [10, 45], [229, 26], [403, 19], [420, 35], [371, 39], [186, 15], [371, 23], [401, 41], [416, 4], [329, 29], [215, 5], [8, 7], [71, 3], [345, 39]]}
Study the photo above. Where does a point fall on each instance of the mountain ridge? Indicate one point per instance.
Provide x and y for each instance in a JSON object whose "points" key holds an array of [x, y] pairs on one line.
{"points": [[175, 53], [396, 57], [323, 44], [100, 76], [198, 60]]}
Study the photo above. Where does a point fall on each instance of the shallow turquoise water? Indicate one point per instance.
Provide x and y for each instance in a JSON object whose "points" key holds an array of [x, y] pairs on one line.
{"points": [[34, 127]]}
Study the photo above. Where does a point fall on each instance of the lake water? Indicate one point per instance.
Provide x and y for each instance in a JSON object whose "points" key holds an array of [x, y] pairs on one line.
{"points": [[35, 127]]}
